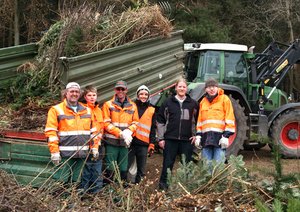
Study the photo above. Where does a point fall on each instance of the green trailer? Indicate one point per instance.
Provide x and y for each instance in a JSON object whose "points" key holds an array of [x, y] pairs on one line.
{"points": [[27, 160]]}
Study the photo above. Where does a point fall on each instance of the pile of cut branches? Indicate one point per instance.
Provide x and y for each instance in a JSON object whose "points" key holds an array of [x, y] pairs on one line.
{"points": [[86, 30], [226, 188], [129, 26], [14, 197]]}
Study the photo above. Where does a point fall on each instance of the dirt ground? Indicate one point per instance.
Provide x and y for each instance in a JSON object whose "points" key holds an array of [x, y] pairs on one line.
{"points": [[259, 164]]}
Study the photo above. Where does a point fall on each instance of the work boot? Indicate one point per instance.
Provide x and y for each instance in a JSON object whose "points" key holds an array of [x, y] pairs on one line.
{"points": [[108, 177], [124, 179], [162, 186]]}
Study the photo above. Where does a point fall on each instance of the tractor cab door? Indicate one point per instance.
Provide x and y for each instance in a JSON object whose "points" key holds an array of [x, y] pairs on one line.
{"points": [[235, 71], [202, 65]]}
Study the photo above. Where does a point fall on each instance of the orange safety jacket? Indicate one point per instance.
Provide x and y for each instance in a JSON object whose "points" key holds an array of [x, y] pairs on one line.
{"points": [[216, 116], [98, 117], [144, 125], [68, 131], [116, 119]]}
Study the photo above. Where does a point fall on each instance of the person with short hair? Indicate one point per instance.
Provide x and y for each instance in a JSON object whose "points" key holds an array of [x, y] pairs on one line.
{"points": [[92, 180], [120, 123], [71, 132], [144, 139], [216, 122], [175, 128]]}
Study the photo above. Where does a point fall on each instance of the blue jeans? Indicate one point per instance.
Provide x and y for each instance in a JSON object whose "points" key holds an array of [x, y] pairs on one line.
{"points": [[92, 179], [213, 153]]}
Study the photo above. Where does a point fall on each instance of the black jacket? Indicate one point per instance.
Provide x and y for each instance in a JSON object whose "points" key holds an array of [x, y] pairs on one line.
{"points": [[141, 109], [177, 122]]}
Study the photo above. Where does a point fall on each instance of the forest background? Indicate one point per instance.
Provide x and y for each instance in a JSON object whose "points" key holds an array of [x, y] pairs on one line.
{"points": [[253, 23]]}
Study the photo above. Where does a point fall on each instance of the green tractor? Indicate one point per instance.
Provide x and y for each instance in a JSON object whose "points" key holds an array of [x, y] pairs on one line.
{"points": [[252, 81]]}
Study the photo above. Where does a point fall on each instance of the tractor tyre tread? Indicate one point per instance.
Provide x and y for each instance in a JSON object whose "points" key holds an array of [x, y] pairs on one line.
{"points": [[241, 128]]}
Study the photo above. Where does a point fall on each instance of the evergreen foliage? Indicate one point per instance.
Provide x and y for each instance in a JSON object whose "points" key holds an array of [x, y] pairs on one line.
{"points": [[201, 178], [284, 188], [293, 205], [277, 206], [73, 47], [261, 207], [51, 35], [27, 88]]}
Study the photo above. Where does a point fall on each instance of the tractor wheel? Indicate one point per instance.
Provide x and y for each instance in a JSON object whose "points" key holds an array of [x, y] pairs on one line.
{"points": [[236, 141], [285, 133]]}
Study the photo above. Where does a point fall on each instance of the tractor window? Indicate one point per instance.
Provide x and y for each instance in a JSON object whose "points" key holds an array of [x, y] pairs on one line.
{"points": [[191, 65], [234, 66], [210, 68]]}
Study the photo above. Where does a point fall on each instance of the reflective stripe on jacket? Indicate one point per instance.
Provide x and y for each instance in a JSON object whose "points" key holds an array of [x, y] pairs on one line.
{"points": [[68, 131], [144, 125], [215, 118], [116, 119], [98, 117]]}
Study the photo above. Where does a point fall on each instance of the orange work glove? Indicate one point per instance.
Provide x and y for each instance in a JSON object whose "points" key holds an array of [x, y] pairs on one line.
{"points": [[150, 150]]}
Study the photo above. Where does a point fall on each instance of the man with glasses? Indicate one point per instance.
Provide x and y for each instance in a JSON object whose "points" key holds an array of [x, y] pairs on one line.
{"points": [[69, 128], [120, 122]]}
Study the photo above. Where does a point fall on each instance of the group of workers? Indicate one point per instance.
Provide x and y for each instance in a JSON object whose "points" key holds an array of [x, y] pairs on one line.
{"points": [[81, 134]]}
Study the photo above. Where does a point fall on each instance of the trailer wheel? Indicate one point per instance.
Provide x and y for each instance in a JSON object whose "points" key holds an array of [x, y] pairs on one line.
{"points": [[285, 133], [236, 141]]}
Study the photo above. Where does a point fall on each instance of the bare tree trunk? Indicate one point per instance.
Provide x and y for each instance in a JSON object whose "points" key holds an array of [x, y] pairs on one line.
{"points": [[10, 34], [3, 38], [288, 19], [291, 35], [16, 24]]}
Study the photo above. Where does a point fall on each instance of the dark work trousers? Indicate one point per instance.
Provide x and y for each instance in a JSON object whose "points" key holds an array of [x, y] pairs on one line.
{"points": [[140, 153], [92, 179], [171, 150]]}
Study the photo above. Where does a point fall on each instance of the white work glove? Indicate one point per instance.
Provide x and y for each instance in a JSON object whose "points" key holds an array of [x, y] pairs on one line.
{"points": [[198, 142], [127, 136], [128, 141], [95, 153], [224, 142], [126, 133], [55, 158]]}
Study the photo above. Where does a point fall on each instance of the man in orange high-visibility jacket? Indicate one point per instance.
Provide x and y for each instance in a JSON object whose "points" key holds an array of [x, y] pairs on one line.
{"points": [[215, 123], [120, 122], [69, 127], [143, 142]]}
